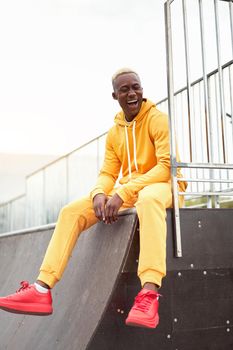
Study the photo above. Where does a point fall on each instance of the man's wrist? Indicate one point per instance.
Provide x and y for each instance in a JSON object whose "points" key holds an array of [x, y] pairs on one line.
{"points": [[122, 194], [95, 193]]}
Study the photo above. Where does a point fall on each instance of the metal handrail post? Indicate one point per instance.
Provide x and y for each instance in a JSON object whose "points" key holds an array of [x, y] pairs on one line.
{"points": [[171, 113], [188, 80], [230, 77], [220, 80], [209, 136], [231, 22]]}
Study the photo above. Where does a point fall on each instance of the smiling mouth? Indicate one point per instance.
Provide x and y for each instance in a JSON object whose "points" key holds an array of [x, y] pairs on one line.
{"points": [[132, 103]]}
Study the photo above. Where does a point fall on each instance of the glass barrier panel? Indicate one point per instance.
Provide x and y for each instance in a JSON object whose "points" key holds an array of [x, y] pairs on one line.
{"points": [[4, 218], [55, 177], [18, 213], [35, 199], [82, 171]]}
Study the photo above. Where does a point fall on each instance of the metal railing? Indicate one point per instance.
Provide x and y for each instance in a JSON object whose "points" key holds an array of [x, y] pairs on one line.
{"points": [[53, 186], [64, 180], [74, 174], [200, 117], [12, 214], [214, 161]]}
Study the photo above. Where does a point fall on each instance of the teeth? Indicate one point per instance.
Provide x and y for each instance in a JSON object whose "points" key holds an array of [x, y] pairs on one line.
{"points": [[134, 101]]}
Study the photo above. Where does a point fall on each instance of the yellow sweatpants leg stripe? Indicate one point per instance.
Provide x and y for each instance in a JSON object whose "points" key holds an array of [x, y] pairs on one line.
{"points": [[151, 204]]}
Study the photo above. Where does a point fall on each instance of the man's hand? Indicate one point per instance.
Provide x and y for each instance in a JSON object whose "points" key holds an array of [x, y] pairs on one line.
{"points": [[99, 202], [111, 209]]}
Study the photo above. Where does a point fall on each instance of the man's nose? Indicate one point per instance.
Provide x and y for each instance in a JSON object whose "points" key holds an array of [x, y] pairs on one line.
{"points": [[131, 92]]}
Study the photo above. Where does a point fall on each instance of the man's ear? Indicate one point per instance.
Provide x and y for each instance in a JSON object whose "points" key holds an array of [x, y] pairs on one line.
{"points": [[114, 96]]}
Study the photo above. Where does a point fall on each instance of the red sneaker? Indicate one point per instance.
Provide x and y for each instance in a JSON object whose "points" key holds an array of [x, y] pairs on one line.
{"points": [[27, 300], [144, 312]]}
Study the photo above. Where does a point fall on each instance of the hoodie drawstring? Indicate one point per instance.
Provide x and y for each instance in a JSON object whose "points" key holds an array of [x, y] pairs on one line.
{"points": [[134, 149], [128, 154]]}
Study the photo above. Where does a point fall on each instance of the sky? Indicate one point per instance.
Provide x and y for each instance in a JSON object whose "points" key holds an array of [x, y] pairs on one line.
{"points": [[57, 58], [56, 62]]}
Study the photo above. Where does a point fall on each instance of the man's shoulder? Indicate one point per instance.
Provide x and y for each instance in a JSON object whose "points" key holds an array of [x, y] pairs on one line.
{"points": [[158, 121], [112, 132], [155, 112], [112, 129], [156, 115]]}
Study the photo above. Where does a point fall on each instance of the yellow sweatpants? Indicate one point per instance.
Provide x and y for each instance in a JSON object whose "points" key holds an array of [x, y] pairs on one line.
{"points": [[151, 204]]}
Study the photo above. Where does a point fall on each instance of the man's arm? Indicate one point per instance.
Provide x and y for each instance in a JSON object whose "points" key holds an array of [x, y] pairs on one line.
{"points": [[105, 208], [109, 171]]}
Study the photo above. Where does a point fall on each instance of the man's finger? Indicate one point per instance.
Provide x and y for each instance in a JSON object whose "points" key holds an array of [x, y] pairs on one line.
{"points": [[115, 214], [107, 214], [111, 215], [103, 213], [98, 213]]}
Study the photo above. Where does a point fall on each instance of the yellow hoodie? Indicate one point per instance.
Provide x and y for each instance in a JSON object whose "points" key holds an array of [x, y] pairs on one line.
{"points": [[140, 148]]}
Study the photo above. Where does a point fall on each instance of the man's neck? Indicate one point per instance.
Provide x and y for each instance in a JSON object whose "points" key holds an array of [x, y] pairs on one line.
{"points": [[129, 119]]}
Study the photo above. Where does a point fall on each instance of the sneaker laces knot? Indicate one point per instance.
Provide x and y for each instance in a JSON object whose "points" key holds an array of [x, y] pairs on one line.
{"points": [[143, 302], [24, 285]]}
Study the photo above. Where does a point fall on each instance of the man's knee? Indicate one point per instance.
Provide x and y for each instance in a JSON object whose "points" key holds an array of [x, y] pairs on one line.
{"points": [[64, 211], [157, 194], [71, 208], [147, 197]]}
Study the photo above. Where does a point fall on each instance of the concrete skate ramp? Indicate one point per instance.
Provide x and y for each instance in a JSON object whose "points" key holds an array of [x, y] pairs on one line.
{"points": [[80, 298]]}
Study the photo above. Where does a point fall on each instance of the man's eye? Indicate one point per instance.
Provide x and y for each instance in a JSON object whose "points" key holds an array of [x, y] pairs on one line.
{"points": [[124, 89]]}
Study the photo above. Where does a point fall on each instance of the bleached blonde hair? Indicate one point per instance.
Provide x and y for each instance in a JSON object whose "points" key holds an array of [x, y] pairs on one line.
{"points": [[121, 71]]}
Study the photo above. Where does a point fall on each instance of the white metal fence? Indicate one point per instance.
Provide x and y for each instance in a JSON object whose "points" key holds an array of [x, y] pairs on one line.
{"points": [[201, 117], [207, 116]]}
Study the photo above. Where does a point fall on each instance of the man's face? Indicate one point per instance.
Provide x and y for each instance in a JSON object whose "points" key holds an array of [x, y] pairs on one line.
{"points": [[129, 93]]}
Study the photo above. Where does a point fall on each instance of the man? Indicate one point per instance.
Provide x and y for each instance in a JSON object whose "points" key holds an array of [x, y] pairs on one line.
{"points": [[138, 145]]}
